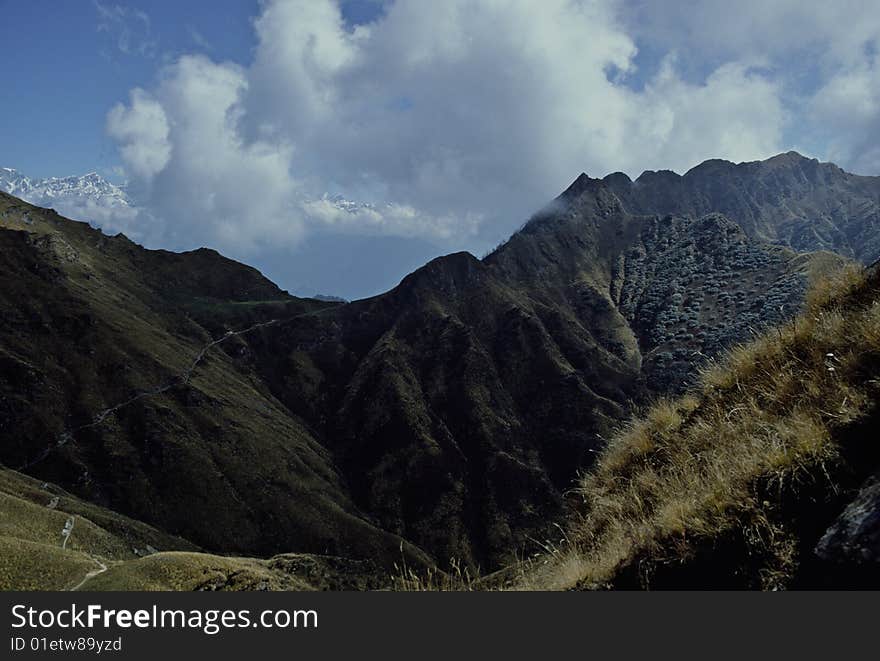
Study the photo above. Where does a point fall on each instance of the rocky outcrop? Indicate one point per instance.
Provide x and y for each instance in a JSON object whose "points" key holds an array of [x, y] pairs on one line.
{"points": [[854, 537]]}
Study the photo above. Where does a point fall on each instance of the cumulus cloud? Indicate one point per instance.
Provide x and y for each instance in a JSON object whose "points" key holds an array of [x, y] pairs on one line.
{"points": [[447, 121], [111, 218], [822, 55], [831, 32], [737, 113], [847, 108], [141, 130], [395, 219], [214, 185]]}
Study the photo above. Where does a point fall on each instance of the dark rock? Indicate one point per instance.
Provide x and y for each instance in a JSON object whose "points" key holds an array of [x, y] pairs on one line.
{"points": [[855, 536]]}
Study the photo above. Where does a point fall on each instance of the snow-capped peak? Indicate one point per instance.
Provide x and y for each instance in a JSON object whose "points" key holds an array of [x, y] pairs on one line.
{"points": [[53, 190]]}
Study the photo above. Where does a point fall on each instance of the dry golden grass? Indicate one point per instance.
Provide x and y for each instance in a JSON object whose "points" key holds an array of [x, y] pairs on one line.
{"points": [[457, 579], [695, 468]]}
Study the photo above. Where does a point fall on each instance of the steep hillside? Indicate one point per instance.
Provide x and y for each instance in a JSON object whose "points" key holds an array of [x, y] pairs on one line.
{"points": [[462, 403], [453, 412], [110, 389], [763, 477]]}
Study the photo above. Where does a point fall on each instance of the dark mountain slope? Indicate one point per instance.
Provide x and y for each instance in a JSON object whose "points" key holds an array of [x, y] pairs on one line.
{"points": [[453, 411], [99, 394], [674, 290], [461, 404]]}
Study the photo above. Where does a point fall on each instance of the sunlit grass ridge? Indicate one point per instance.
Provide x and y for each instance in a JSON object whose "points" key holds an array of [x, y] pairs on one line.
{"points": [[762, 424]]}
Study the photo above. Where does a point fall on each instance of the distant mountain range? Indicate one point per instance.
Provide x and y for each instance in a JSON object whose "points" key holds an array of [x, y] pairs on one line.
{"points": [[82, 197], [445, 419], [54, 190]]}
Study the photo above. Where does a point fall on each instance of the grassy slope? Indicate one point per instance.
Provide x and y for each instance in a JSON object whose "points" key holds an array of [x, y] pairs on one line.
{"points": [[732, 484], [33, 515], [109, 551]]}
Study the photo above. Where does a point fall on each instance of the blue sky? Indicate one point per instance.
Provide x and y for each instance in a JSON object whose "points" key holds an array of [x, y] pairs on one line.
{"points": [[438, 126], [63, 73], [64, 69]]}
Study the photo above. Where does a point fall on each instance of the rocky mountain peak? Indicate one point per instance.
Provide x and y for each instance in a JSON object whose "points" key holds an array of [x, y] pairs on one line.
{"points": [[580, 185]]}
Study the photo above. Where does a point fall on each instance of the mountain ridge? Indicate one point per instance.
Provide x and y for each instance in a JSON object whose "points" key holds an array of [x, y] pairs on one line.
{"points": [[46, 191], [452, 412], [788, 199]]}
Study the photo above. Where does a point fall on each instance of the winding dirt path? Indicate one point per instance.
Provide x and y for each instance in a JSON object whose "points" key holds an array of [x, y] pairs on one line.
{"points": [[90, 575]]}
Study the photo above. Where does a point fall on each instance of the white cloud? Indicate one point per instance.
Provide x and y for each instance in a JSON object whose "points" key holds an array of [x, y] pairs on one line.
{"points": [[216, 186], [847, 108], [454, 119], [736, 114], [141, 129], [823, 57], [831, 32], [394, 219], [110, 218]]}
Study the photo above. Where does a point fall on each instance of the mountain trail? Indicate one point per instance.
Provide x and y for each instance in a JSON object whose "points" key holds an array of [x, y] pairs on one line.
{"points": [[90, 575]]}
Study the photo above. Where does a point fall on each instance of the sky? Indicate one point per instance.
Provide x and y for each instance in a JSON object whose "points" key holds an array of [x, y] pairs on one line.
{"points": [[445, 124]]}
